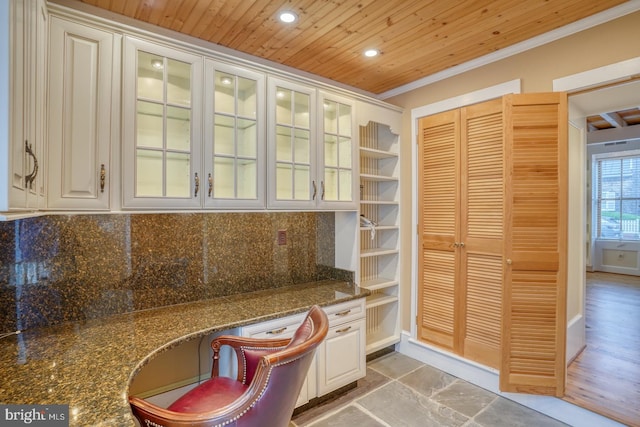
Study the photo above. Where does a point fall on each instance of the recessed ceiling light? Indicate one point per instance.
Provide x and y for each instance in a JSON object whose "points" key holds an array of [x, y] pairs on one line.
{"points": [[370, 53], [226, 80], [288, 16]]}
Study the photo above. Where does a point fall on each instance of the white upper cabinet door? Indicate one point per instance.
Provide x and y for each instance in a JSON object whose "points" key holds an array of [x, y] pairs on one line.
{"points": [[23, 53], [337, 153], [234, 135], [162, 116], [291, 129], [83, 60]]}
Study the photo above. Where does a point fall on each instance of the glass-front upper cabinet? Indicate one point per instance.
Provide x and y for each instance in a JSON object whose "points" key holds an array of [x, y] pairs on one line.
{"points": [[161, 120], [336, 152], [234, 137], [292, 134]]}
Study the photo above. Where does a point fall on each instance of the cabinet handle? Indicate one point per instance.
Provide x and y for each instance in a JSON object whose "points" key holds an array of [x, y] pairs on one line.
{"points": [[210, 185], [197, 185], [462, 244], [343, 313], [277, 331], [343, 330], [28, 180], [455, 244], [315, 190], [103, 177], [322, 186]]}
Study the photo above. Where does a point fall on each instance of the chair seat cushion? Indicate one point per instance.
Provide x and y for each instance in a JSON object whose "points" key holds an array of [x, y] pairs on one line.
{"points": [[209, 396]]}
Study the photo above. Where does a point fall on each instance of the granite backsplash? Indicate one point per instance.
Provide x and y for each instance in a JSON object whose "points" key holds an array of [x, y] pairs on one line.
{"points": [[59, 268]]}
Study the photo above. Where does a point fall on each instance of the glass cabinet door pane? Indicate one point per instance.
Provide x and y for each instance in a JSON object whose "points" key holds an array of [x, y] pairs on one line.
{"points": [[330, 150], [178, 128], [302, 181], [247, 138], [149, 180], [224, 139], [178, 175], [149, 123], [345, 153], [247, 179], [344, 119], [223, 179], [224, 97], [284, 178], [301, 108], [178, 82], [283, 144], [283, 106], [345, 185], [330, 184], [150, 76], [302, 146], [247, 98], [330, 117]]}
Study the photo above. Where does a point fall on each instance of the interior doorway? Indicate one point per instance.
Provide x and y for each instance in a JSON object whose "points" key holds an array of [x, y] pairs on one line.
{"points": [[608, 354]]}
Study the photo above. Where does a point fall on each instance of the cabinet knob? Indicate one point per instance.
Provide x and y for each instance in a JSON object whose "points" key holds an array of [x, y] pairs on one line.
{"points": [[509, 262]]}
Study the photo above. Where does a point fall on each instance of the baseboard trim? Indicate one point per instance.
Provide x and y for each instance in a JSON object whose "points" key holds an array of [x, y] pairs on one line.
{"points": [[488, 378]]}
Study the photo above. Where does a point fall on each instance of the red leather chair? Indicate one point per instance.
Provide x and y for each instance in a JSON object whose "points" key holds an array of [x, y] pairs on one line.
{"points": [[270, 375]]}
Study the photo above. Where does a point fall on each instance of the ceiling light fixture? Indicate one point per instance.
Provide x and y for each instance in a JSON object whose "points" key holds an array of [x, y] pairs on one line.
{"points": [[288, 17], [370, 53], [157, 64], [226, 80]]}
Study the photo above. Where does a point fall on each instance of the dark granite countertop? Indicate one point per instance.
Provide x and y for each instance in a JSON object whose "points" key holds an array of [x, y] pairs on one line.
{"points": [[89, 365]]}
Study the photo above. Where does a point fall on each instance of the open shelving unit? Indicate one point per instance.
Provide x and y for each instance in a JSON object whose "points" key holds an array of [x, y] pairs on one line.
{"points": [[379, 245]]}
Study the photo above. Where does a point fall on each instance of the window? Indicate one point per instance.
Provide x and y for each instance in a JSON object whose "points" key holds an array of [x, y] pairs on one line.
{"points": [[617, 196]]}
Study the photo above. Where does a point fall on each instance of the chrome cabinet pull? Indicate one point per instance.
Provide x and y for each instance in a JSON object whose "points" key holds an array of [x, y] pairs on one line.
{"points": [[28, 180], [277, 331], [210, 185], [103, 177], [197, 185], [343, 330], [343, 313], [315, 190]]}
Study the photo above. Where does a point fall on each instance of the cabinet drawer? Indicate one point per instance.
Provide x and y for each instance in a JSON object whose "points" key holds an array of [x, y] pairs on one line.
{"points": [[345, 312], [276, 328]]}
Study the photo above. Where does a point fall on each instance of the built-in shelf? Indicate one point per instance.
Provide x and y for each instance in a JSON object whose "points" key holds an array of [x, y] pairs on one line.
{"points": [[379, 251]]}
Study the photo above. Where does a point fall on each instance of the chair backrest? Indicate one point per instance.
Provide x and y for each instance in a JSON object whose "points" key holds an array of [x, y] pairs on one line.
{"points": [[280, 375], [271, 395]]}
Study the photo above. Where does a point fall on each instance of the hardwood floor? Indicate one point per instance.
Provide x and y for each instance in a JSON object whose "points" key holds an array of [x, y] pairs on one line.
{"points": [[605, 377]]}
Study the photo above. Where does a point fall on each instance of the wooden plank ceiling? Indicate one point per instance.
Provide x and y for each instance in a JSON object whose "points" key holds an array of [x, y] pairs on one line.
{"points": [[416, 38]]}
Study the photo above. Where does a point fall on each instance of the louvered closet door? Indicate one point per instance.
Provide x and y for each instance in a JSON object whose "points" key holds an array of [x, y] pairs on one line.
{"points": [[534, 297], [481, 240], [439, 138]]}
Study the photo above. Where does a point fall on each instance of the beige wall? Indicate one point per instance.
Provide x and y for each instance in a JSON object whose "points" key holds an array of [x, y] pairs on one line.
{"points": [[605, 44]]}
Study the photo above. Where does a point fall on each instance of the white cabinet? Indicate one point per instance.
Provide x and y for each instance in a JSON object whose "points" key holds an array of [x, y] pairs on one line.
{"points": [[162, 108], [83, 117], [336, 153], [311, 147], [234, 135], [23, 74], [340, 359], [380, 232]]}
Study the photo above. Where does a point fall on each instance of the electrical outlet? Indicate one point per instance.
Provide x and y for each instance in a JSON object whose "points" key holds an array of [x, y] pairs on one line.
{"points": [[282, 237]]}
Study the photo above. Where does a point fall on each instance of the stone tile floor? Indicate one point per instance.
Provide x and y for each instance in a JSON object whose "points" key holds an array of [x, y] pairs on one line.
{"points": [[400, 391]]}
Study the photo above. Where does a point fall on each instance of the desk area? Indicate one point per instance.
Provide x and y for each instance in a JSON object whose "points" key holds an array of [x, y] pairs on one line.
{"points": [[89, 365]]}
